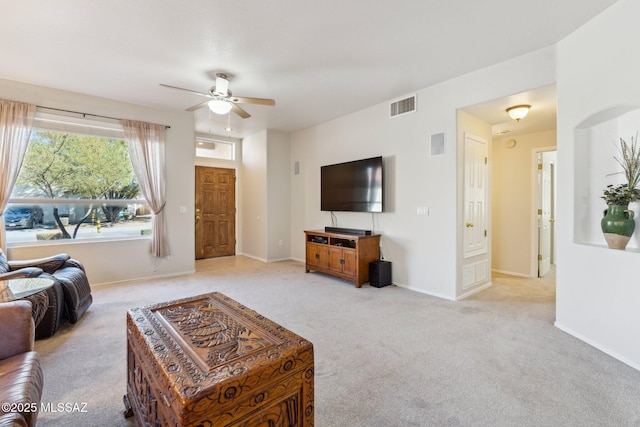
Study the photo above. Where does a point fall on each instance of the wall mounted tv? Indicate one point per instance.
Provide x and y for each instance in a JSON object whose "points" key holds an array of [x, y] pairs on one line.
{"points": [[352, 186]]}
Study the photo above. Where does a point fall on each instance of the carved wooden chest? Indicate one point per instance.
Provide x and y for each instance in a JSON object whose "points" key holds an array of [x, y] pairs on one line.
{"points": [[210, 361]]}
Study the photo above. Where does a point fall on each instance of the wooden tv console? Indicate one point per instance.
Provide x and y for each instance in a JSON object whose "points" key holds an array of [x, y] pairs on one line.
{"points": [[342, 255]]}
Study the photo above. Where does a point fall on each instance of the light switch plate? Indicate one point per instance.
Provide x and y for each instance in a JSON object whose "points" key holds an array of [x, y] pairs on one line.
{"points": [[423, 210]]}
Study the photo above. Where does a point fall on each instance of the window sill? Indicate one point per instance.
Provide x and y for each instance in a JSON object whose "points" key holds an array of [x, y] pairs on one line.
{"points": [[60, 242]]}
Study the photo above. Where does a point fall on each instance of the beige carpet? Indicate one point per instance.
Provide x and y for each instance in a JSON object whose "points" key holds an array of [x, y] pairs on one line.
{"points": [[384, 357]]}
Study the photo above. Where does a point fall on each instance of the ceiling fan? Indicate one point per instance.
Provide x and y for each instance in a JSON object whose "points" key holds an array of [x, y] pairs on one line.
{"points": [[221, 101]]}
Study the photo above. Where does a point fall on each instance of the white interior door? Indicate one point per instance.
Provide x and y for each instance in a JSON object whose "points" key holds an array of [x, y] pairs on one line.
{"points": [[544, 214], [475, 196]]}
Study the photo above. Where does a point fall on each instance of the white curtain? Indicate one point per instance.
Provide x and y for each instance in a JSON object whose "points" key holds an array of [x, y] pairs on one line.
{"points": [[146, 142], [16, 122]]}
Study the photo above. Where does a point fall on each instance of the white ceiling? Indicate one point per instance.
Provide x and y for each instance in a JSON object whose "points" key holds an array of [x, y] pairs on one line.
{"points": [[318, 59]]}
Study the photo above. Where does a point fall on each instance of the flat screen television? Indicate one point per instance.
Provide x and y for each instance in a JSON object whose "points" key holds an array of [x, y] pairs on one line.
{"points": [[352, 186]]}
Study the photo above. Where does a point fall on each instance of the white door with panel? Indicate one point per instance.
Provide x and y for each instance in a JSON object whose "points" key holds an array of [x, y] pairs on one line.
{"points": [[545, 165], [475, 196]]}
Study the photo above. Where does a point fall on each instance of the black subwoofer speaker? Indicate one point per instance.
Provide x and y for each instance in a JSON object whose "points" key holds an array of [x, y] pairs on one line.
{"points": [[380, 273]]}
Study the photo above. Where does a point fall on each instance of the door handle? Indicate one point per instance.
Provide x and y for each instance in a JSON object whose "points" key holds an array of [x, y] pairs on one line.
{"points": [[197, 218], [469, 225]]}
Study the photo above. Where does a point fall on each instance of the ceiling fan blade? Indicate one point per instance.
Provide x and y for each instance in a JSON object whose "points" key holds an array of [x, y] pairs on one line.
{"points": [[187, 90], [245, 100], [197, 106], [239, 111]]}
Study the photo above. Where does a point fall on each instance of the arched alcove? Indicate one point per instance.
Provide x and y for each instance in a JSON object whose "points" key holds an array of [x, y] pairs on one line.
{"points": [[597, 141]]}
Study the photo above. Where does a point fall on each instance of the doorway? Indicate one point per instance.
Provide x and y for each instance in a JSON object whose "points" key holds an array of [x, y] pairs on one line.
{"points": [[513, 191], [215, 212]]}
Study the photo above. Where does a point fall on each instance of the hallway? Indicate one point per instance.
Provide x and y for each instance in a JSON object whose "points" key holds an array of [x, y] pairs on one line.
{"points": [[515, 291]]}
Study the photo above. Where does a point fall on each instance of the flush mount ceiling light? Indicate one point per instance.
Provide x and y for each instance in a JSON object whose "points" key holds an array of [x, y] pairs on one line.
{"points": [[518, 112], [219, 107]]}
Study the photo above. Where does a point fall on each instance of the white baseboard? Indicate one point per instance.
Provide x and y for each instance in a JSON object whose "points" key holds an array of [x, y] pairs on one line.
{"points": [[474, 291], [422, 291], [511, 273], [160, 276], [252, 257], [280, 259], [633, 364], [264, 259]]}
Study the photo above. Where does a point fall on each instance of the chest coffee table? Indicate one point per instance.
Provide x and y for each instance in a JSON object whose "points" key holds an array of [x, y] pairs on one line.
{"points": [[210, 361]]}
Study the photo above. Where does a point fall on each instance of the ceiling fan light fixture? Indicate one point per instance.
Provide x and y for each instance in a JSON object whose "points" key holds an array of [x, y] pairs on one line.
{"points": [[518, 112], [218, 106]]}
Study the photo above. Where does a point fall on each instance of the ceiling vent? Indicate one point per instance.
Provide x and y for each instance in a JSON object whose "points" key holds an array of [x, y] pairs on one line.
{"points": [[403, 106]]}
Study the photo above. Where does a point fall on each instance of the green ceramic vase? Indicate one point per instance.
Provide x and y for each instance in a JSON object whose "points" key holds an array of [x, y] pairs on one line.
{"points": [[617, 226]]}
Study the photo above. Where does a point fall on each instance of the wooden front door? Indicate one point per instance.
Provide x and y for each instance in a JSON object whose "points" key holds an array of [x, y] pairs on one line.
{"points": [[215, 212]]}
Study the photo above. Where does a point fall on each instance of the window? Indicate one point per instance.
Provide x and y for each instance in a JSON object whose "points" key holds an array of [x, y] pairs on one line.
{"points": [[215, 149], [76, 182]]}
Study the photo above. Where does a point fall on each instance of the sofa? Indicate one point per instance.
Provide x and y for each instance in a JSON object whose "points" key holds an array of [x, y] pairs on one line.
{"points": [[69, 297], [21, 377]]}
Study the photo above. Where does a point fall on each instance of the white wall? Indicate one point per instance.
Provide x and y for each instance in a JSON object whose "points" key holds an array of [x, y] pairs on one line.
{"points": [[513, 201], [253, 197], [423, 249], [115, 261], [597, 288], [266, 202], [279, 171]]}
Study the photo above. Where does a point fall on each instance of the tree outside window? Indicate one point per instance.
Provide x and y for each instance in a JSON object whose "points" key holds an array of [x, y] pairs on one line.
{"points": [[84, 181]]}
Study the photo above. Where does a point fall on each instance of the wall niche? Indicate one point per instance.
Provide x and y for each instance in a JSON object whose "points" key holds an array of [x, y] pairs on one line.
{"points": [[597, 141]]}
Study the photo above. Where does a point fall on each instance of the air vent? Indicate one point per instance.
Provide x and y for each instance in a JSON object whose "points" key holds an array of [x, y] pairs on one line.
{"points": [[403, 106]]}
